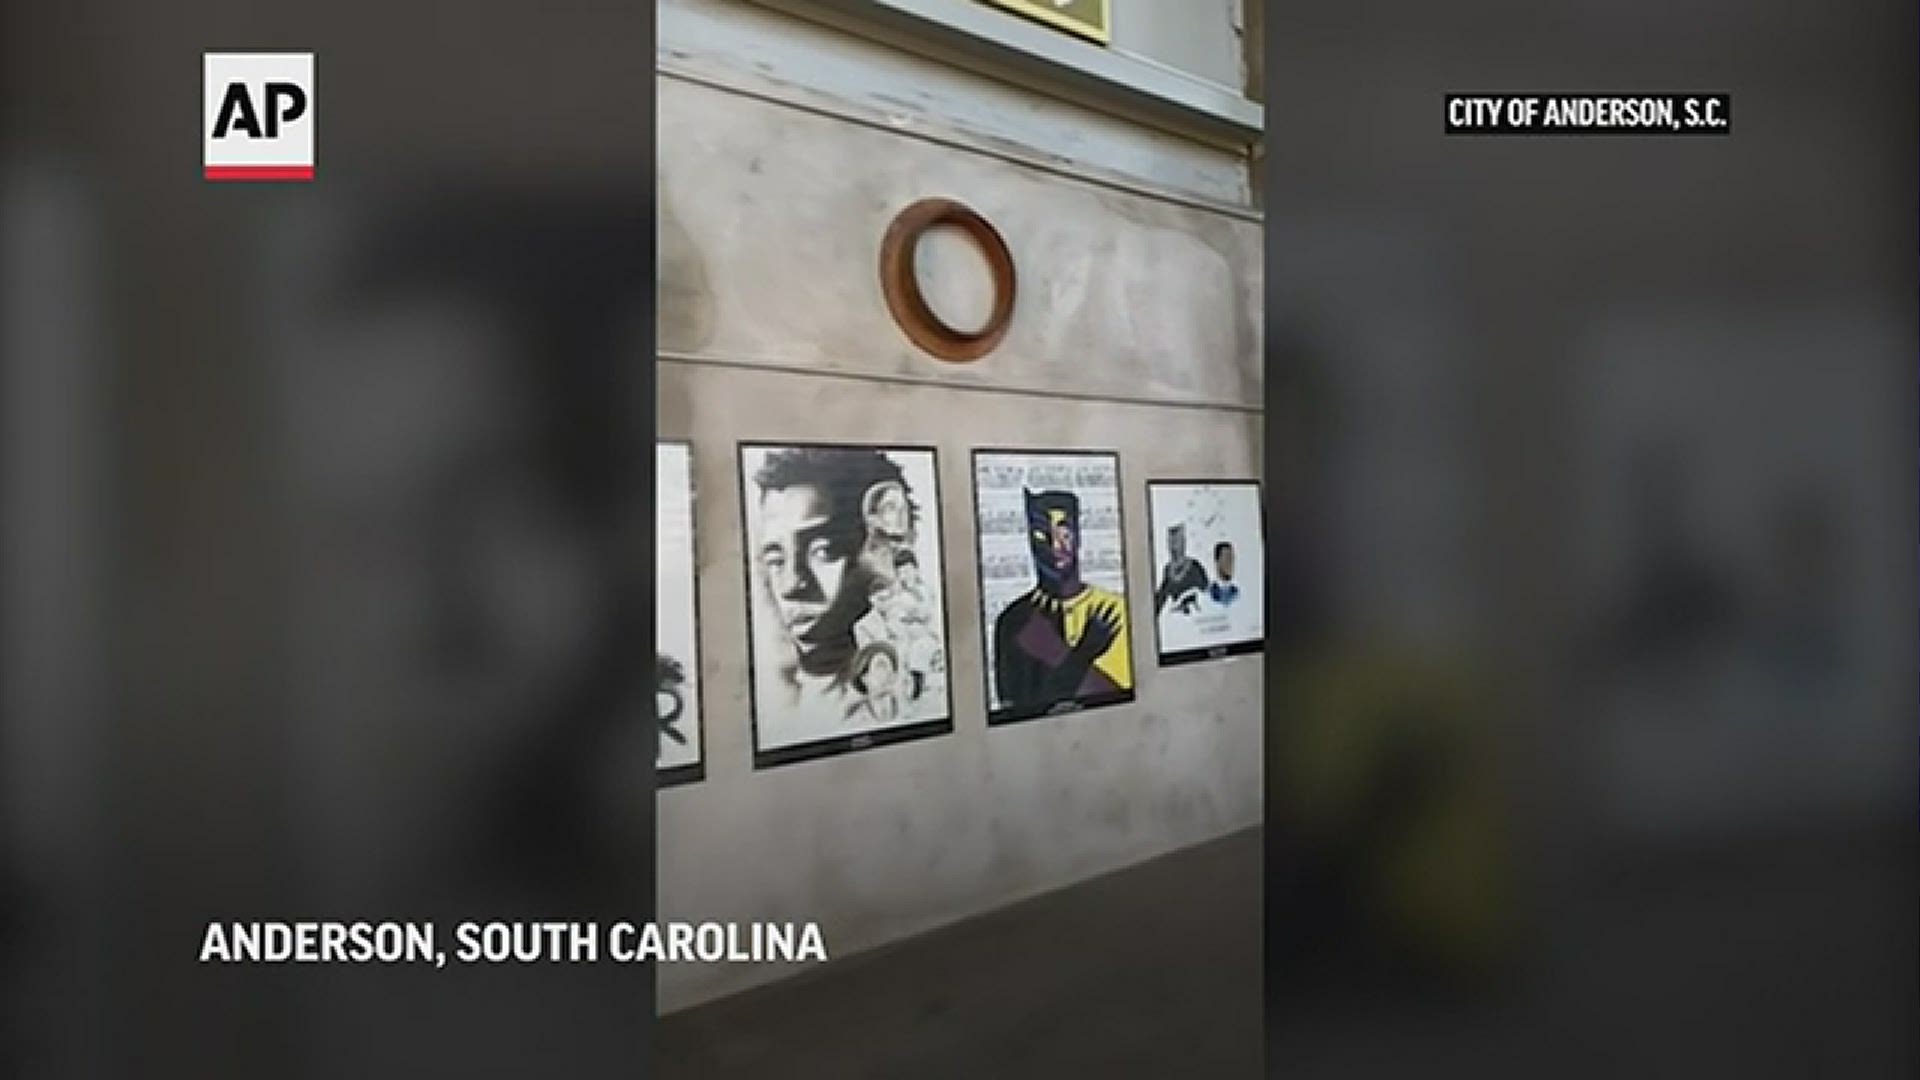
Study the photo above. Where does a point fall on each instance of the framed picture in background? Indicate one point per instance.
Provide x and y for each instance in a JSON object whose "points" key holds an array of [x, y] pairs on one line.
{"points": [[681, 756], [1053, 581], [1209, 568], [846, 595], [1089, 19]]}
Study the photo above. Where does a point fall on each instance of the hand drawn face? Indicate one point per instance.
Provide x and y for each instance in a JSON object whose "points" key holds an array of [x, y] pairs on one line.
{"points": [[887, 511], [810, 565], [1223, 561], [1177, 543], [1053, 536]]}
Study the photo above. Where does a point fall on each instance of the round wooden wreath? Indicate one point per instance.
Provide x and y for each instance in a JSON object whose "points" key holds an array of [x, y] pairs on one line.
{"points": [[902, 288]]}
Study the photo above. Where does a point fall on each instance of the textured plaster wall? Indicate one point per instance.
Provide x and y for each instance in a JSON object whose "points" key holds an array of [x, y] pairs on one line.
{"points": [[744, 45], [769, 227], [1137, 330]]}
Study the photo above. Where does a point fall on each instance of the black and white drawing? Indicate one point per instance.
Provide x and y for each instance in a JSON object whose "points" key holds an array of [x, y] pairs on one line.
{"points": [[848, 610], [1209, 558], [681, 755]]}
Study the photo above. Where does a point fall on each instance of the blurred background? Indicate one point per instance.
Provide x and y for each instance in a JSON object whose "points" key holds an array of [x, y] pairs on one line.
{"points": [[321, 558], [1593, 752]]}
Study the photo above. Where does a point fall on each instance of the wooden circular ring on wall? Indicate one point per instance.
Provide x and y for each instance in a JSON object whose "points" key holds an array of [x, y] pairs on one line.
{"points": [[902, 287]]}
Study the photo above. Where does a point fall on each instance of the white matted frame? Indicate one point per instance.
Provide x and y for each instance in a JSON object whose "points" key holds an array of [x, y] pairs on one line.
{"points": [[1209, 599], [846, 588], [678, 698]]}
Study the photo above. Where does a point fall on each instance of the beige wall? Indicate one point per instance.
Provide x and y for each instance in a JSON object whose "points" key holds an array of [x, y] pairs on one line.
{"points": [[744, 45], [1137, 329]]}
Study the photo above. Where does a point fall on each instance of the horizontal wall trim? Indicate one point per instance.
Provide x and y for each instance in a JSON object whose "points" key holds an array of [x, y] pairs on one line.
{"points": [[869, 119], [1098, 76], [786, 367]]}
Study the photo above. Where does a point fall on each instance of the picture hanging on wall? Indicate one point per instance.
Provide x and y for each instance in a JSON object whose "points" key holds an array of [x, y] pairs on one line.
{"points": [[681, 756], [1053, 582], [1209, 584], [848, 607]]}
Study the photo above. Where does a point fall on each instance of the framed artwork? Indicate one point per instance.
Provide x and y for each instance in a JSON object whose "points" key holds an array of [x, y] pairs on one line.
{"points": [[846, 585], [681, 756], [1053, 581], [1089, 19], [1210, 574]]}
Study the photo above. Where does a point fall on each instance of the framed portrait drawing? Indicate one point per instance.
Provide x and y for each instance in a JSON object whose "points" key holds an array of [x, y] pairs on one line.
{"points": [[1210, 575], [681, 755], [1053, 582], [846, 586]]}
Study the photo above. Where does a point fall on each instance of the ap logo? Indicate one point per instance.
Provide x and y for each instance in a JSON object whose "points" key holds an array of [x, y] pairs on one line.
{"points": [[258, 116]]}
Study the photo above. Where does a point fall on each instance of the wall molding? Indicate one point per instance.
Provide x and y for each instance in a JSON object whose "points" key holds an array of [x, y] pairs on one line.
{"points": [[1024, 52], [852, 114], [790, 367]]}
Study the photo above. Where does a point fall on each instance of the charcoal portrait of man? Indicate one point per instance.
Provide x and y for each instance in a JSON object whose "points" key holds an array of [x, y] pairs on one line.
{"points": [[831, 531]]}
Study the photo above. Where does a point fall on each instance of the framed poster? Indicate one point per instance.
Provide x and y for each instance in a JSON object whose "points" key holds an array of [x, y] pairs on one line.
{"points": [[847, 598], [1210, 574], [681, 756], [1083, 18], [1053, 581]]}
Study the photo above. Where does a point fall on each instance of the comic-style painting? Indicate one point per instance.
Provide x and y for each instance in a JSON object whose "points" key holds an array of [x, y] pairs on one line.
{"points": [[847, 601], [1053, 582], [1209, 591], [680, 757]]}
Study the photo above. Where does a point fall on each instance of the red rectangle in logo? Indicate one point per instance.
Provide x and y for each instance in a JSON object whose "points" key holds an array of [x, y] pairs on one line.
{"points": [[259, 172]]}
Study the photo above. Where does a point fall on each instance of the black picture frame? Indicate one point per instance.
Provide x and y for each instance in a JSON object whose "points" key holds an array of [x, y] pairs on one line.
{"points": [[866, 740], [997, 717], [1226, 649], [680, 775]]}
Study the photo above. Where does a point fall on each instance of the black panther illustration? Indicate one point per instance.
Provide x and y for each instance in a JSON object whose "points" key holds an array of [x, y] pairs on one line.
{"points": [[1183, 579], [1064, 640]]}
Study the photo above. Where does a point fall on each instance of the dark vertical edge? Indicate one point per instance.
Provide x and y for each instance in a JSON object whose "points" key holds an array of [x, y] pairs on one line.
{"points": [[1278, 487], [642, 376]]}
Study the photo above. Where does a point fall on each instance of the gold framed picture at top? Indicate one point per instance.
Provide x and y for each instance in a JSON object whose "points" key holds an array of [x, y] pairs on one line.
{"points": [[1081, 18]]}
